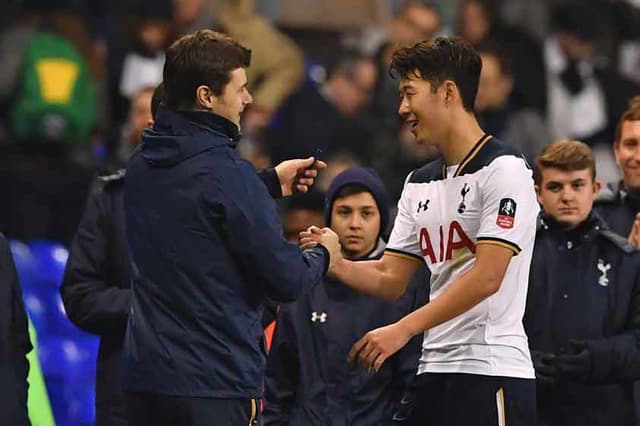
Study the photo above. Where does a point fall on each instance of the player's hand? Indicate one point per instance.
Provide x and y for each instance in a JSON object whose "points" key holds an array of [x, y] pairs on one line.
{"points": [[298, 175], [310, 238], [634, 235], [377, 345], [326, 237]]}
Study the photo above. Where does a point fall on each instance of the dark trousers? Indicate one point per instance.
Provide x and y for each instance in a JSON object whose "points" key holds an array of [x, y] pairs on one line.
{"points": [[473, 400], [148, 409]]}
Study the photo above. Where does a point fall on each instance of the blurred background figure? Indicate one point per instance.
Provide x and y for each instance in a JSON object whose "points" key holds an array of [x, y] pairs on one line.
{"points": [[151, 33], [519, 126], [96, 287], [479, 21], [397, 153], [277, 63], [585, 93], [619, 202], [300, 212], [48, 89], [326, 116], [138, 119]]}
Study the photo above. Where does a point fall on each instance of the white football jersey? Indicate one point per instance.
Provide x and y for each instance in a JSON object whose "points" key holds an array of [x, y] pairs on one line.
{"points": [[443, 214]]}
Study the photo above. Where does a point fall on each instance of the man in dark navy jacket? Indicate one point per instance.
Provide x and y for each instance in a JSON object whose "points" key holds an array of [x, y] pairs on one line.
{"points": [[96, 288], [206, 247], [309, 380], [14, 343], [583, 306]]}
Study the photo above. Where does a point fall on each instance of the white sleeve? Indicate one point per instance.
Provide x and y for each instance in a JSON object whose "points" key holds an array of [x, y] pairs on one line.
{"points": [[509, 205], [404, 235]]}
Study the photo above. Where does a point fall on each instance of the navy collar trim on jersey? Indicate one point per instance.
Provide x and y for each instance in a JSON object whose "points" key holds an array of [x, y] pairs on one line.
{"points": [[471, 154]]}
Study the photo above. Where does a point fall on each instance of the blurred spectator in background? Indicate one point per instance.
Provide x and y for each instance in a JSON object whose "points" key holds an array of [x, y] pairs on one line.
{"points": [[96, 285], [43, 194], [393, 159], [50, 73], [418, 20], [48, 93], [626, 38], [583, 305], [326, 116], [14, 344], [309, 380], [479, 21], [151, 33], [339, 163], [619, 202], [277, 63], [300, 212], [585, 94], [138, 119], [521, 127], [530, 16]]}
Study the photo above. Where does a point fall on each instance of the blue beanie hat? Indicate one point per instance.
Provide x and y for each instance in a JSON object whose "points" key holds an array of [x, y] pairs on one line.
{"points": [[371, 181]]}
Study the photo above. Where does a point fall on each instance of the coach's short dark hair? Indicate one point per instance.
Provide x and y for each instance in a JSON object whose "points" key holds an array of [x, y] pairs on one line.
{"points": [[202, 58], [438, 60]]}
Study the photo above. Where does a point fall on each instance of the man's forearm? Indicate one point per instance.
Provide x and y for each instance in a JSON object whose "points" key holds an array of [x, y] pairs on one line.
{"points": [[369, 277]]}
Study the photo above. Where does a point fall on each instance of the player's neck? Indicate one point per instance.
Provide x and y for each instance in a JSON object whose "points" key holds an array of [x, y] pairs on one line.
{"points": [[464, 134]]}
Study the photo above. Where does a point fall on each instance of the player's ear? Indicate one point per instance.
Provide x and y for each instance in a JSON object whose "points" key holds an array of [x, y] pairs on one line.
{"points": [[449, 91]]}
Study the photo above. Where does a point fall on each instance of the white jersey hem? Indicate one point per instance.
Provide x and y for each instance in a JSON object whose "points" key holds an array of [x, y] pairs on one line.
{"points": [[519, 373]]}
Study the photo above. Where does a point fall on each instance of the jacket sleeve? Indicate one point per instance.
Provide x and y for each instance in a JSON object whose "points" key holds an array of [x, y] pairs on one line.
{"points": [[617, 358], [252, 230], [14, 343], [406, 361], [281, 377], [271, 181], [91, 302]]}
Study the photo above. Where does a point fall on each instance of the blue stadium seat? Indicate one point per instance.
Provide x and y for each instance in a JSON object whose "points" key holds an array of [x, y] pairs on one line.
{"points": [[67, 355]]}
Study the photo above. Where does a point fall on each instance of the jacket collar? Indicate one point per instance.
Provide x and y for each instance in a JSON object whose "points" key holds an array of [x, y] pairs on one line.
{"points": [[178, 135], [576, 236], [179, 119], [215, 122], [628, 197]]}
